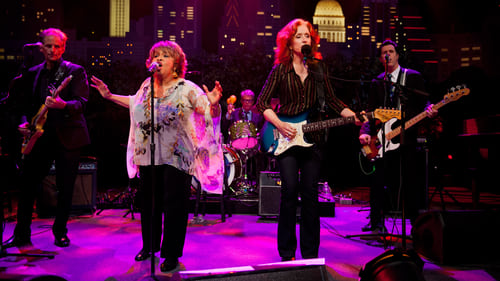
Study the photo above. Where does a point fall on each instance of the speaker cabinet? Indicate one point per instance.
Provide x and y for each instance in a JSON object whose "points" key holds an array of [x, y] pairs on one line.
{"points": [[84, 194], [457, 237], [270, 197], [275, 273], [270, 194]]}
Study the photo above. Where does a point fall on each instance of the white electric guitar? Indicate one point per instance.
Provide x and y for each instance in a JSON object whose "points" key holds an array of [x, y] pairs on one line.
{"points": [[373, 150]]}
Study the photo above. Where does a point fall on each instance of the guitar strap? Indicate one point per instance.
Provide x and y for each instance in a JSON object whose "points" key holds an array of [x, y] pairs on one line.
{"points": [[61, 70], [320, 87], [320, 91], [402, 82]]}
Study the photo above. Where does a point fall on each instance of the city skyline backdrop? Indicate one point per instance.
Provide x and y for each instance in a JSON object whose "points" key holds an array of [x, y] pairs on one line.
{"points": [[437, 37], [437, 32]]}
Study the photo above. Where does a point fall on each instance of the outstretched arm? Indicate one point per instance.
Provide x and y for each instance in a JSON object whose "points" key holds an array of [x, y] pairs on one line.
{"points": [[105, 93], [214, 97]]}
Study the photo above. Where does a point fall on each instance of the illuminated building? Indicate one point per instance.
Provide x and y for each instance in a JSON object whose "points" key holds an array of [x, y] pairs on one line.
{"points": [[250, 23], [119, 18], [330, 20], [178, 21]]}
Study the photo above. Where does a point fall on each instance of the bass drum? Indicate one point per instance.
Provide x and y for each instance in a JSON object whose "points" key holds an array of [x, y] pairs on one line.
{"points": [[243, 135], [232, 165]]}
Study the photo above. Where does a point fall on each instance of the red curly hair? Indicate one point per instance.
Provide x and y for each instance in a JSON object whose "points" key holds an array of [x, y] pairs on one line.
{"points": [[284, 40]]}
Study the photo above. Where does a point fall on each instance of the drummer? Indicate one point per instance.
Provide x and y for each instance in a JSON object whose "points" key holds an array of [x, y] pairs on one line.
{"points": [[247, 112]]}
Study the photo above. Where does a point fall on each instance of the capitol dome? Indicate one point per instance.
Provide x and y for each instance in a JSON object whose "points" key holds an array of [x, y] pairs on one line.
{"points": [[330, 20], [328, 8]]}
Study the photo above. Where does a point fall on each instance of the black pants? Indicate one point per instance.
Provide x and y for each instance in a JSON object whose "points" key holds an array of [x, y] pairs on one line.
{"points": [[171, 197], [36, 166], [389, 186], [307, 161]]}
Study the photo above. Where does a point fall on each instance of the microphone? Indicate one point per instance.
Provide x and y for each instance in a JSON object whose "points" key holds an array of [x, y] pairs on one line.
{"points": [[386, 58], [306, 52], [29, 45], [153, 67]]}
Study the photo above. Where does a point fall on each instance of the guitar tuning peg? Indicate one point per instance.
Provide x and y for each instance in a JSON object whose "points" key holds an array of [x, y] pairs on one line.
{"points": [[459, 87]]}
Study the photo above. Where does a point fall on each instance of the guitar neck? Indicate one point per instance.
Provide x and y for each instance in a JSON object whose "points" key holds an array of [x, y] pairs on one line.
{"points": [[316, 126], [422, 115]]}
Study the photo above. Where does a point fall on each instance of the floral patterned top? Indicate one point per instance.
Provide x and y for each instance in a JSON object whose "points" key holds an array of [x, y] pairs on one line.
{"points": [[185, 134]]}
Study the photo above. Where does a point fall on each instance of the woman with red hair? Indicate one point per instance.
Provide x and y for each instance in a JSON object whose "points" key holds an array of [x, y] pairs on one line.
{"points": [[303, 88]]}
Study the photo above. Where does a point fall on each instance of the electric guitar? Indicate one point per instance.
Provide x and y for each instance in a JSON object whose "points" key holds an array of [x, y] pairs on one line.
{"points": [[373, 151], [275, 143], [37, 122]]}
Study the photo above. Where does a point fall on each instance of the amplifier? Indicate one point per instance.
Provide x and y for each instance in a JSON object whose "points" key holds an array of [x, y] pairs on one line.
{"points": [[84, 194], [270, 197], [270, 194]]}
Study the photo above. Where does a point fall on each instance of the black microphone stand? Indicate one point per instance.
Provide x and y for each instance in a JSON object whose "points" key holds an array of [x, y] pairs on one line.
{"points": [[402, 144], [387, 83], [153, 180]]}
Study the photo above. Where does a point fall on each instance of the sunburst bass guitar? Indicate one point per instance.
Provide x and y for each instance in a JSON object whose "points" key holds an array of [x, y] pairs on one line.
{"points": [[37, 122], [275, 143], [373, 150]]}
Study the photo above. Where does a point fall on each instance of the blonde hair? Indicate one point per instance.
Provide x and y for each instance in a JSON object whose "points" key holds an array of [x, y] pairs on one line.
{"points": [[54, 32]]}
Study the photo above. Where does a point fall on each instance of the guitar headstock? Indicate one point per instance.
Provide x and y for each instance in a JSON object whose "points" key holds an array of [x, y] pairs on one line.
{"points": [[456, 93], [64, 83], [386, 114]]}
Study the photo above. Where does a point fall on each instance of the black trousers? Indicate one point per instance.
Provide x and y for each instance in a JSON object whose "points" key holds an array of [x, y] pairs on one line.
{"points": [[170, 192], [307, 162], [389, 186], [36, 166]]}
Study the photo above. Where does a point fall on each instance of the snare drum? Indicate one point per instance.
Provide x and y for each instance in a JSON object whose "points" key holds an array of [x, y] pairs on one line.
{"points": [[243, 135], [232, 164]]}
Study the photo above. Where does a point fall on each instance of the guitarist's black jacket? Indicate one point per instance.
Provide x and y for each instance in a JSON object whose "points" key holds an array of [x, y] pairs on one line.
{"points": [[69, 123]]}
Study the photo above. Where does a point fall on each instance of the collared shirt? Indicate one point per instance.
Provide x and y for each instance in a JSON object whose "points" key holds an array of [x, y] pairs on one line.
{"points": [[247, 115], [395, 74], [295, 97]]}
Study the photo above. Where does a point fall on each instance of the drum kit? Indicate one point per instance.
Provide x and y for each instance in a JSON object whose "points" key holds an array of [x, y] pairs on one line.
{"points": [[244, 143]]}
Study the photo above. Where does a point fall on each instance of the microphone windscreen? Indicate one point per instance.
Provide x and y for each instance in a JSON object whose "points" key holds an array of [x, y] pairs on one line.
{"points": [[306, 50]]}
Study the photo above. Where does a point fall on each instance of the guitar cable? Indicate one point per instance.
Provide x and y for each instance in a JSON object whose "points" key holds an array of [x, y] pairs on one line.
{"points": [[360, 160]]}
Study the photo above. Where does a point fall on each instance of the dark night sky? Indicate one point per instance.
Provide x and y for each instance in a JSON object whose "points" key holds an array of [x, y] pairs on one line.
{"points": [[442, 16]]}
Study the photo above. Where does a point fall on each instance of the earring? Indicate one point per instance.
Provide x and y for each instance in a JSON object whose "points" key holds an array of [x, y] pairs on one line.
{"points": [[174, 74]]}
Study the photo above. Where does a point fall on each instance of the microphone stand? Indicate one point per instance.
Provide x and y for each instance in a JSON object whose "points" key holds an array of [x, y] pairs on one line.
{"points": [[386, 81], [402, 143], [153, 179]]}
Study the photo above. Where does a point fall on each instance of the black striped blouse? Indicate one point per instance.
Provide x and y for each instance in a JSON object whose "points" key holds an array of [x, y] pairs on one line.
{"points": [[295, 97]]}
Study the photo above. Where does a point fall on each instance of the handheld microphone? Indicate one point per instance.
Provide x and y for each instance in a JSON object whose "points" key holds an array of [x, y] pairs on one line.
{"points": [[153, 67]]}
